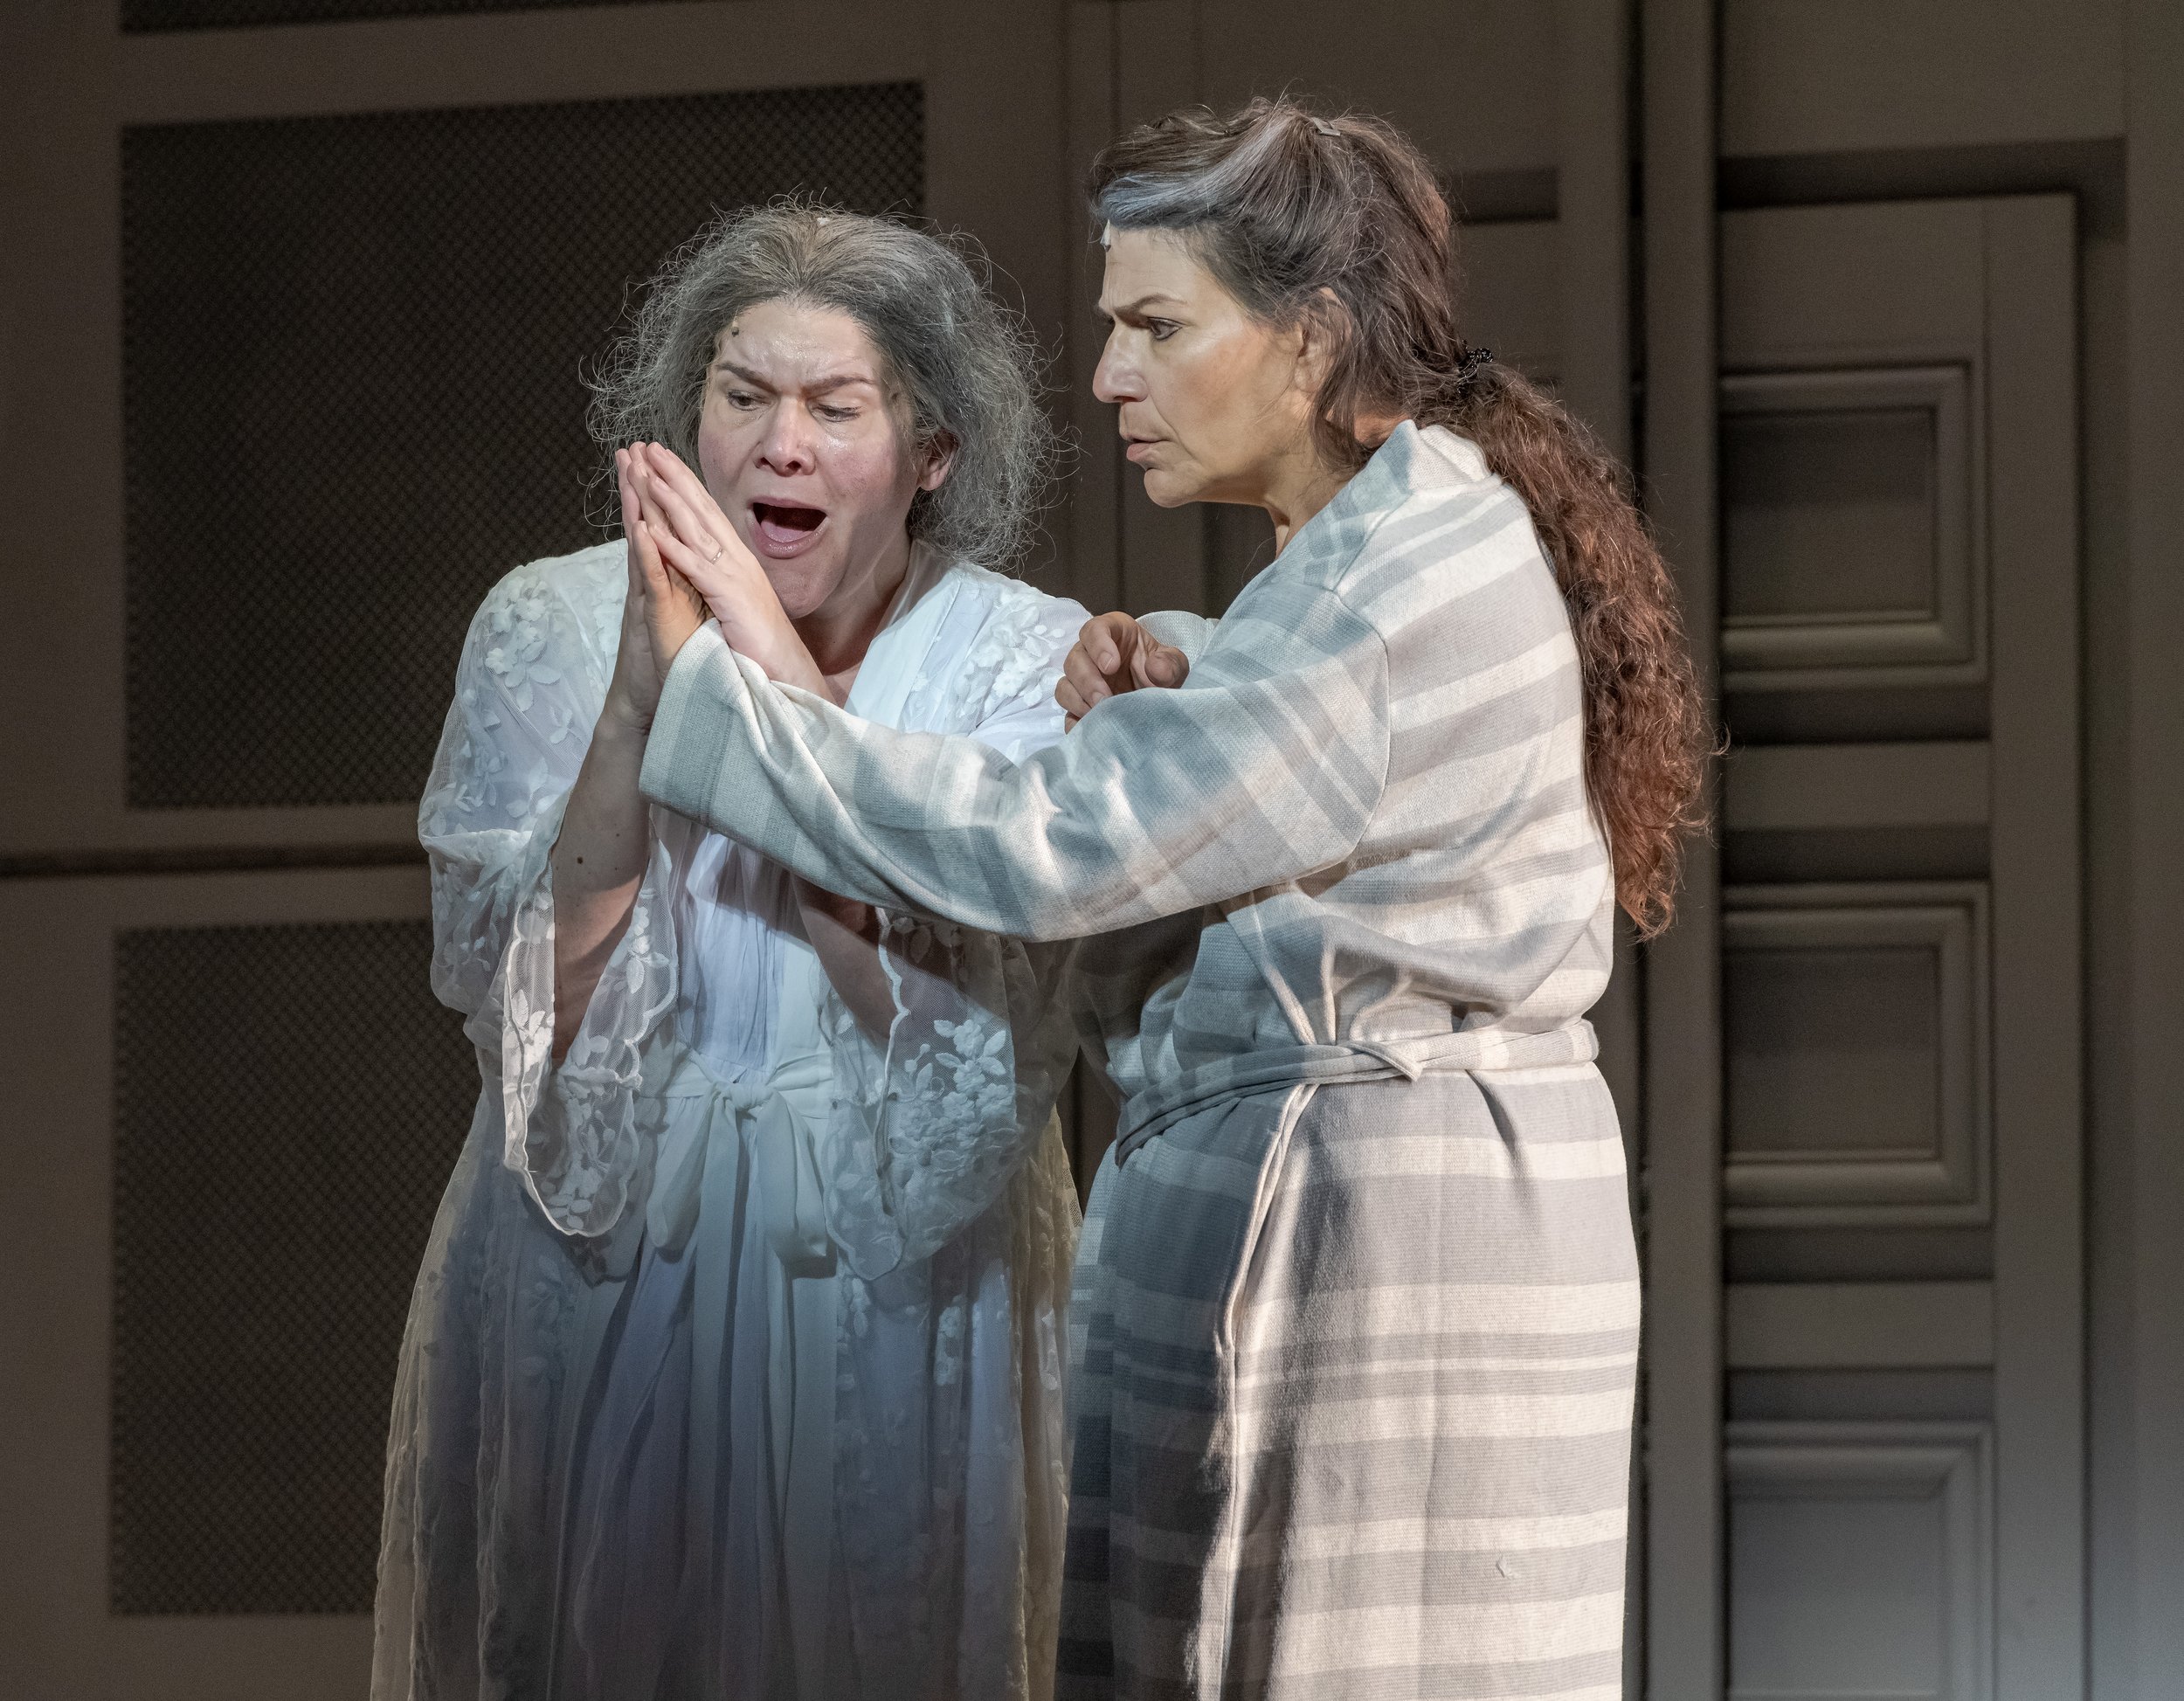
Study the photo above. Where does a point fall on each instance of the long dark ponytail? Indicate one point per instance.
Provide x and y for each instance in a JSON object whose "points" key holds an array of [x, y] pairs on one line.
{"points": [[1339, 218]]}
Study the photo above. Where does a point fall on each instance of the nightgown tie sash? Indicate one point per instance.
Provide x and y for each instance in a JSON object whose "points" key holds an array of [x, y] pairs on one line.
{"points": [[770, 1113], [1467, 1051]]}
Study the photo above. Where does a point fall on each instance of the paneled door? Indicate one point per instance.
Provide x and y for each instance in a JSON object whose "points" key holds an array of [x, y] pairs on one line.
{"points": [[1900, 1180], [301, 297]]}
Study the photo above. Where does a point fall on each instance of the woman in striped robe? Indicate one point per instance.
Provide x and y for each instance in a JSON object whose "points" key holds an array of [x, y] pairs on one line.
{"points": [[1356, 1307]]}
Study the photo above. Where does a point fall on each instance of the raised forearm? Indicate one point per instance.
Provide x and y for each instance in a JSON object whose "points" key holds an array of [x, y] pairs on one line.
{"points": [[598, 862], [1164, 802]]}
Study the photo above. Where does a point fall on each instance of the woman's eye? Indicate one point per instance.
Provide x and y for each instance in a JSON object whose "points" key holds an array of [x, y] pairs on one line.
{"points": [[1161, 330], [837, 414], [742, 398]]}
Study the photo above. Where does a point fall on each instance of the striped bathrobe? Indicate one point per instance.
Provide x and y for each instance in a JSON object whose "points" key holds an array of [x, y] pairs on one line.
{"points": [[1356, 1311]]}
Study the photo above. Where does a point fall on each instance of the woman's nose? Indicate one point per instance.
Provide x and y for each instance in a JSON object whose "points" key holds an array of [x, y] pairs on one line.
{"points": [[1115, 378], [788, 445]]}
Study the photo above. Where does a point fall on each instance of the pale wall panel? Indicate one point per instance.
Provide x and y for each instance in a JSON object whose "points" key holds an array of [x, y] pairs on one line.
{"points": [[1804, 78], [1858, 1561], [1511, 297], [1472, 82]]}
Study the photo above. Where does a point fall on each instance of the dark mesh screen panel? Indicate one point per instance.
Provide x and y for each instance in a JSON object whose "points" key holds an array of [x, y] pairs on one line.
{"points": [[226, 14], [352, 354], [289, 1102]]}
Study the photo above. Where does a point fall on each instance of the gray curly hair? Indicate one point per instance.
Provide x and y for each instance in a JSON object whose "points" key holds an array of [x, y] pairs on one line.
{"points": [[967, 368]]}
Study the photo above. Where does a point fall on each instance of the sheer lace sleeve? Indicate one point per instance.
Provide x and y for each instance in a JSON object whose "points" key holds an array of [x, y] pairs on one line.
{"points": [[528, 691], [934, 1121]]}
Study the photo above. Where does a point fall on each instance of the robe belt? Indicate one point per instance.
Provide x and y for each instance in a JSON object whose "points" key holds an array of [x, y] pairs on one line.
{"points": [[1468, 1051], [759, 1109]]}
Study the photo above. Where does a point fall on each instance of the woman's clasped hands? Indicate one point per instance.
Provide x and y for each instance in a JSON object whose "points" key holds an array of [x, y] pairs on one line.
{"points": [[686, 562]]}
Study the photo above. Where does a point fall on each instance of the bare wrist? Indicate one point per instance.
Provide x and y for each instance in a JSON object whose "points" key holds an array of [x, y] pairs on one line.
{"points": [[619, 715]]}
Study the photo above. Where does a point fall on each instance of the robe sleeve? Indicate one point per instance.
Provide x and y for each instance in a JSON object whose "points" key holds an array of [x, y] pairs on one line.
{"points": [[934, 1120], [529, 688], [1267, 765], [1181, 630]]}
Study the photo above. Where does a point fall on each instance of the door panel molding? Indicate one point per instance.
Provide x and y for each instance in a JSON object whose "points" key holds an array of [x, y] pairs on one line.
{"points": [[1930, 634], [1816, 1567], [1769, 1182]]}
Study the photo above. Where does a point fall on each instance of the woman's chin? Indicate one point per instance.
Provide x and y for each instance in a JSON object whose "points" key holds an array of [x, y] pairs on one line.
{"points": [[1165, 489], [800, 590]]}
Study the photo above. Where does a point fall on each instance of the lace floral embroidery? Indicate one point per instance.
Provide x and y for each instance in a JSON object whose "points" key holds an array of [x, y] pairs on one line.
{"points": [[932, 1124], [528, 689]]}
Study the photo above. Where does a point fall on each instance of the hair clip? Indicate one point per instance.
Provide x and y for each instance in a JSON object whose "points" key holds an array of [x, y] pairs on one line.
{"points": [[1324, 128], [1476, 360]]}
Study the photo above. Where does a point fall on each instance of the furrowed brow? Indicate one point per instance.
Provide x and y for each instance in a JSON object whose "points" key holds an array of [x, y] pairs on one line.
{"points": [[818, 387]]}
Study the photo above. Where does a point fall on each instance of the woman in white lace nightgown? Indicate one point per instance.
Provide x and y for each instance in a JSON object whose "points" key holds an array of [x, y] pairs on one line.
{"points": [[734, 1369]]}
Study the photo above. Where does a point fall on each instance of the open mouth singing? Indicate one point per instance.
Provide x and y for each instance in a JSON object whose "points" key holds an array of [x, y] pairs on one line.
{"points": [[786, 528]]}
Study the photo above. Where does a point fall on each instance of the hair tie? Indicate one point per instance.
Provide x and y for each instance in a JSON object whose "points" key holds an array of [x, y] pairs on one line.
{"points": [[1474, 361]]}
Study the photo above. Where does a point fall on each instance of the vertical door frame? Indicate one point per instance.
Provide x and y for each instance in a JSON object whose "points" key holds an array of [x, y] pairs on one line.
{"points": [[1593, 73], [1592, 76], [1592, 234], [2154, 952], [2030, 245], [1682, 1369]]}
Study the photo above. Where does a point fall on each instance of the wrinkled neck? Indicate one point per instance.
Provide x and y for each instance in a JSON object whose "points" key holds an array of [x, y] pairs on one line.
{"points": [[1304, 482]]}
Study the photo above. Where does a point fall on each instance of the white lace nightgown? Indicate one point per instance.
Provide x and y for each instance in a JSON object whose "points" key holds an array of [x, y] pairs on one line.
{"points": [[735, 1366]]}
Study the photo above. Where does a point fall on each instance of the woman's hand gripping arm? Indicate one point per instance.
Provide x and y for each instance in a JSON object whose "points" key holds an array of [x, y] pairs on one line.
{"points": [[1114, 654]]}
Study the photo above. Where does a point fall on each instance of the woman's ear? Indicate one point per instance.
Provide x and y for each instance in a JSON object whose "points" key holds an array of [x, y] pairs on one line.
{"points": [[936, 461], [1321, 329]]}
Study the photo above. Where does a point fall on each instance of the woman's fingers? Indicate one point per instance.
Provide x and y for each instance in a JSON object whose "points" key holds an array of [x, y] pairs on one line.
{"points": [[1104, 636], [701, 577], [1156, 663], [645, 551], [626, 487], [647, 487], [1082, 672], [686, 486], [669, 466], [691, 563], [633, 511], [629, 529], [672, 607], [688, 524], [680, 505], [651, 494], [663, 583], [1113, 653]]}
